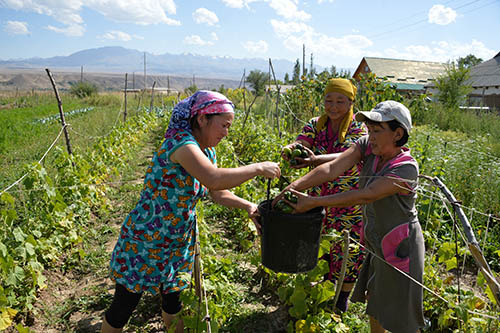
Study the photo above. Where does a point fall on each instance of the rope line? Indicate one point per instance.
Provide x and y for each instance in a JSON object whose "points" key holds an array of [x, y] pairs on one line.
{"points": [[40, 161], [417, 282], [102, 136], [462, 147]]}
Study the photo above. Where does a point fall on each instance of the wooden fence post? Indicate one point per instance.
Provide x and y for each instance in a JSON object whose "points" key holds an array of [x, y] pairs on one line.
{"points": [[125, 101], [277, 98], [471, 239], [61, 113], [152, 97], [345, 258]]}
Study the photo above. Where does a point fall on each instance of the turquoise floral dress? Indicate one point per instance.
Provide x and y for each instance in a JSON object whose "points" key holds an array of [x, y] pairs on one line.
{"points": [[157, 238], [338, 218]]}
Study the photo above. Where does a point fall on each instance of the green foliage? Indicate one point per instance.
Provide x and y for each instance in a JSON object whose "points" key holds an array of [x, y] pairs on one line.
{"points": [[468, 61], [452, 86], [57, 221], [191, 89], [83, 89], [258, 80]]}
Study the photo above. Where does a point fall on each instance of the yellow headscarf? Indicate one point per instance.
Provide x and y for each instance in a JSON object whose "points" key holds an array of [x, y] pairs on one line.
{"points": [[346, 88]]}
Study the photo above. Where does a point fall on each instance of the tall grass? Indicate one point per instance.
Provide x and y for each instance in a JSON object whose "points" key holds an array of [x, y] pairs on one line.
{"points": [[483, 124], [23, 140]]}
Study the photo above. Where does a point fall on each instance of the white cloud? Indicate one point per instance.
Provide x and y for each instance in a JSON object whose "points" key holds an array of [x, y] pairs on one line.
{"points": [[441, 51], [143, 12], [196, 40], [16, 28], [442, 15], [214, 36], [321, 1], [67, 12], [256, 47], [287, 29], [73, 30], [288, 9], [116, 35], [203, 15], [324, 47], [238, 3], [284, 8]]}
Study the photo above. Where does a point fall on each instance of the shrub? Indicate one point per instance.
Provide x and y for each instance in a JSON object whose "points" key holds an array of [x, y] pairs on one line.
{"points": [[83, 89]]}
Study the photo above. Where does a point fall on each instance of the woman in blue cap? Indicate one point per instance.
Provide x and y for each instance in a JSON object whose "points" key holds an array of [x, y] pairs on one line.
{"points": [[391, 277]]}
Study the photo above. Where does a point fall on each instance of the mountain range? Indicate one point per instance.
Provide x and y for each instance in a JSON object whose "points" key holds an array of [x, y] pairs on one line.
{"points": [[114, 59]]}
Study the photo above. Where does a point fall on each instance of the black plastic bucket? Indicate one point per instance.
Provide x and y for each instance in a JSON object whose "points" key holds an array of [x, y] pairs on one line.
{"points": [[290, 242]]}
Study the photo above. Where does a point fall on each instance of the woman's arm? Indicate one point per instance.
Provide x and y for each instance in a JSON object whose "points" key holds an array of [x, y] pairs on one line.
{"points": [[229, 199], [328, 171], [380, 188], [314, 160], [200, 167]]}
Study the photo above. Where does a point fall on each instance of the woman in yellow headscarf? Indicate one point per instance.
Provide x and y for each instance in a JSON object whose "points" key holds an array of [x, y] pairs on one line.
{"points": [[324, 137]]}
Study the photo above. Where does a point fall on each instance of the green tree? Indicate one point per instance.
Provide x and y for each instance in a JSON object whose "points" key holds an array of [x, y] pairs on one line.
{"points": [[191, 89], [287, 78], [296, 72], [452, 85], [257, 80], [469, 61], [83, 89]]}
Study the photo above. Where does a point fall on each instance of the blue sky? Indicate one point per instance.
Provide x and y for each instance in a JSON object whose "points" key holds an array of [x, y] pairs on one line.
{"points": [[336, 32]]}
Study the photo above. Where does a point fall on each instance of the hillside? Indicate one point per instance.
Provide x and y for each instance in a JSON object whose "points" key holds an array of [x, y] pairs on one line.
{"points": [[123, 60], [37, 79]]}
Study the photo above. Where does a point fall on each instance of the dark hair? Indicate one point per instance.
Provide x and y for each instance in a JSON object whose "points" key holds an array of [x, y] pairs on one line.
{"points": [[393, 125], [194, 121]]}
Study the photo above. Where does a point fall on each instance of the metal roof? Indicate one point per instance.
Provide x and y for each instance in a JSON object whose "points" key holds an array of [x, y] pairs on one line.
{"points": [[486, 74], [407, 86], [405, 71]]}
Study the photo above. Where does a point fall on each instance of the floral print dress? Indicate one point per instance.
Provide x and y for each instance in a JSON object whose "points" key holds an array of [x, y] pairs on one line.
{"points": [[338, 218], [157, 238]]}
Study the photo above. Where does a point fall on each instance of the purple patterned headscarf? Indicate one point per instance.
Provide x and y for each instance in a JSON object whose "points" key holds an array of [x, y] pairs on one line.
{"points": [[201, 102]]}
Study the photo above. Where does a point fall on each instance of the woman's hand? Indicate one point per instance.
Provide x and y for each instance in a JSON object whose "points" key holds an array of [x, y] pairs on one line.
{"points": [[282, 194], [287, 150], [269, 169], [254, 214], [310, 160], [304, 202]]}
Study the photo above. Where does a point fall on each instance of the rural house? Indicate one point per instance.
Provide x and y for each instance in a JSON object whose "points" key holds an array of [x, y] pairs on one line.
{"points": [[485, 82], [407, 76]]}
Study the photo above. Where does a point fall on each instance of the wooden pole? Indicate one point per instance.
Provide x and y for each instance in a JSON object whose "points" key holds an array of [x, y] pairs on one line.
{"points": [[244, 91], [125, 100], [471, 240], [61, 112], [277, 98], [152, 97], [247, 112], [345, 258], [81, 74], [144, 70]]}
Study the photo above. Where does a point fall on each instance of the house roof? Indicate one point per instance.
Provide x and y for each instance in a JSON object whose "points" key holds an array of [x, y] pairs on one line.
{"points": [[407, 86], [486, 74], [405, 71]]}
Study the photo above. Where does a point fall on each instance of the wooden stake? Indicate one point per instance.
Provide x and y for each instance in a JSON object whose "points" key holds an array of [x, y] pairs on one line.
{"points": [[152, 97], [345, 258], [61, 113], [471, 239], [125, 101]]}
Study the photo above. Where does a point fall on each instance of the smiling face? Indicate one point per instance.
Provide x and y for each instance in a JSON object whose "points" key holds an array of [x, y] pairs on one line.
{"points": [[214, 129], [382, 139], [337, 106]]}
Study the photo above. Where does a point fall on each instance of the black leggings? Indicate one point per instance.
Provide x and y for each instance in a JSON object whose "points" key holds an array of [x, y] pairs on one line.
{"points": [[125, 302]]}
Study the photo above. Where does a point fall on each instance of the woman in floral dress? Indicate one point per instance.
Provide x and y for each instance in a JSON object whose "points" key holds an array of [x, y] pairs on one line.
{"points": [[157, 239], [324, 138]]}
